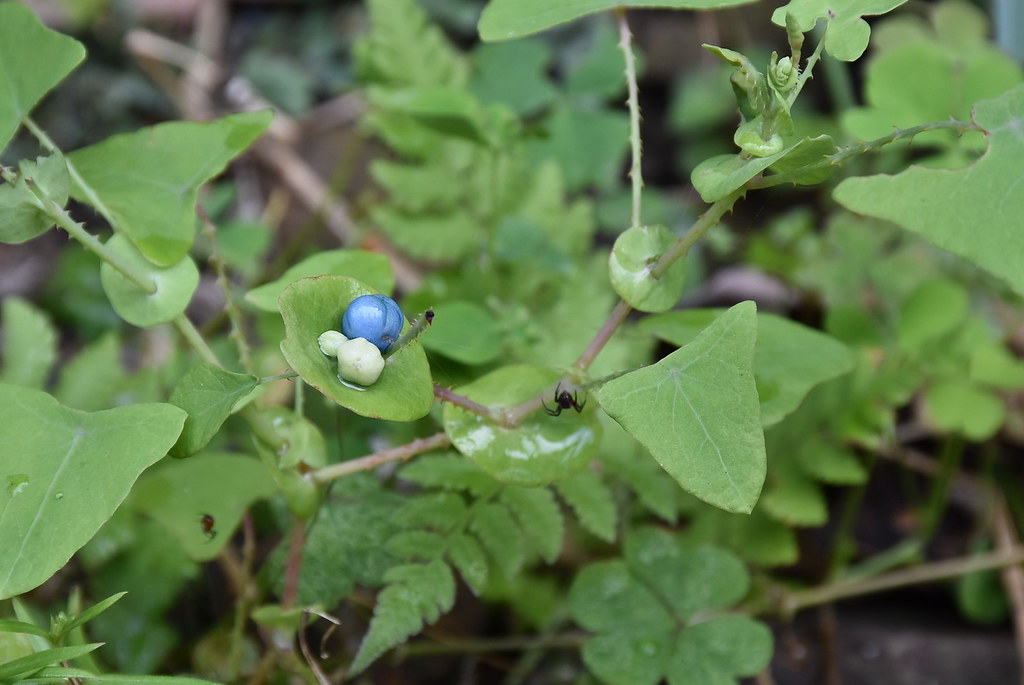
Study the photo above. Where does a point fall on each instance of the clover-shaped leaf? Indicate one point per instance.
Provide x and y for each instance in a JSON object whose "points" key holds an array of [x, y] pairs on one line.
{"points": [[974, 212], [848, 34], [646, 608], [540, 450], [310, 306]]}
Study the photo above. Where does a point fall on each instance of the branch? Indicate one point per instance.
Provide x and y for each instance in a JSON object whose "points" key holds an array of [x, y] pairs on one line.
{"points": [[372, 461]]}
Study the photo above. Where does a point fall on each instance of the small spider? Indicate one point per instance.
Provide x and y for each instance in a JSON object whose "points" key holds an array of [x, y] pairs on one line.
{"points": [[563, 400], [207, 522]]}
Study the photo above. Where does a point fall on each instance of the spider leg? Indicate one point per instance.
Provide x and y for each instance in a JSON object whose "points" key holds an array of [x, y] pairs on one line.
{"points": [[551, 412], [577, 405]]}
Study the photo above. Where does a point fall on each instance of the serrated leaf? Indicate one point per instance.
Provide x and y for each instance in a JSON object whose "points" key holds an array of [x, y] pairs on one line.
{"points": [[467, 555], [149, 179], [174, 286], [588, 144], [719, 650], [972, 212], [635, 252], [33, 59], [311, 306], [696, 411], [417, 188], [29, 344], [789, 359], [443, 511], [688, 580], [424, 545], [416, 593], [513, 74], [465, 332], [439, 236], [718, 176], [67, 471], [177, 494], [90, 381], [592, 502], [507, 19], [539, 517], [541, 450], [497, 531], [371, 268], [208, 393], [847, 35], [451, 471]]}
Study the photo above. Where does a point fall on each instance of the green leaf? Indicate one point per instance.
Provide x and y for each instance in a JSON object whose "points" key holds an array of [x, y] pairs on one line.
{"points": [[960, 406], [621, 456], [417, 593], [92, 612], [497, 531], [589, 145], [423, 545], [936, 308], [599, 73], [418, 188], [465, 332], [971, 212], [831, 462], [451, 471], [30, 344], [592, 502], [689, 580], [696, 411], [994, 365], [513, 74], [446, 236], [789, 359], [91, 380], [177, 494], [507, 19], [636, 658], [372, 268], [848, 34], [756, 538], [24, 667], [149, 179], [442, 511], [540, 450], [208, 393], [794, 499], [718, 176], [605, 597], [311, 306], [8, 626], [174, 286], [467, 555], [66, 472], [33, 59], [635, 252], [720, 649], [20, 218], [539, 516]]}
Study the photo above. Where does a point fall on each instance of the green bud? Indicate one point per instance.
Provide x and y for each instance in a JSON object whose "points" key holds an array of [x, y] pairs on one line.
{"points": [[330, 341], [360, 361], [782, 74], [749, 139]]}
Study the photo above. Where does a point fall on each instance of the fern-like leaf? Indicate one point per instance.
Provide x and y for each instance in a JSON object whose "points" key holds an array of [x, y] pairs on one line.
{"points": [[417, 544], [501, 537], [442, 511], [416, 593], [592, 502], [469, 558], [450, 472], [539, 516]]}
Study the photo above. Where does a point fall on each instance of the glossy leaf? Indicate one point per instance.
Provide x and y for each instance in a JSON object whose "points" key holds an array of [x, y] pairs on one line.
{"points": [[310, 306], [372, 268], [848, 34], [636, 251], [174, 286], [29, 344], [33, 59], [465, 332], [20, 218], [696, 411], [789, 359], [973, 212], [507, 19], [718, 176], [208, 393], [66, 473], [149, 179], [541, 450]]}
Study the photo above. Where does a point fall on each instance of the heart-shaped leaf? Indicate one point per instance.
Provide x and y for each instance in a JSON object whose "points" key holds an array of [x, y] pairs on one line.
{"points": [[207, 393], [310, 306], [696, 411], [541, 450], [149, 179], [174, 286], [33, 59], [65, 473]]}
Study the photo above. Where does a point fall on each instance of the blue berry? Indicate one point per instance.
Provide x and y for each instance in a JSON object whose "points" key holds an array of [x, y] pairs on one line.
{"points": [[374, 317]]}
